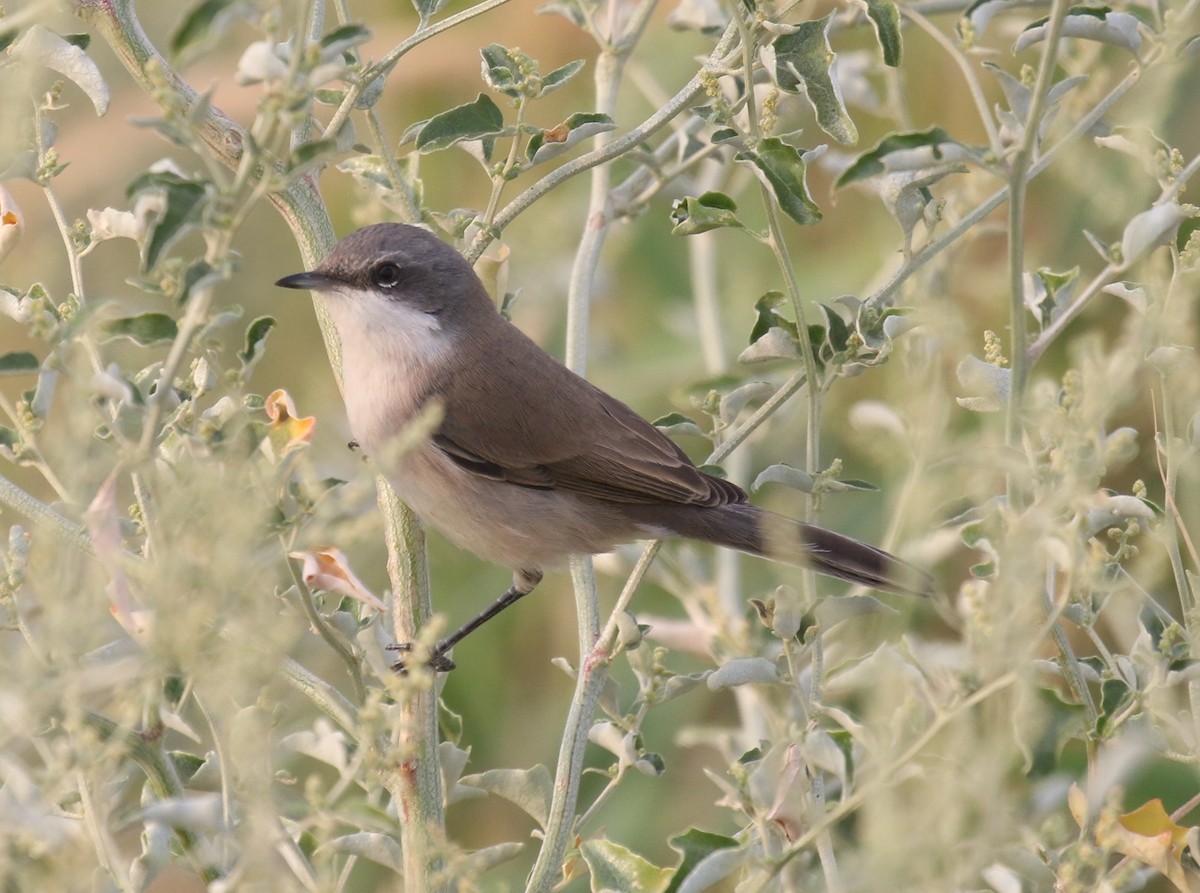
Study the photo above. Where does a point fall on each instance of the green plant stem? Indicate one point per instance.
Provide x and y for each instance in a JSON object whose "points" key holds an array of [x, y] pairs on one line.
{"points": [[589, 683], [109, 854], [1018, 185], [323, 696], [67, 532], [333, 638], [416, 785]]}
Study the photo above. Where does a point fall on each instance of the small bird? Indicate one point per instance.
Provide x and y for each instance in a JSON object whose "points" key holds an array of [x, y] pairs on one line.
{"points": [[531, 463]]}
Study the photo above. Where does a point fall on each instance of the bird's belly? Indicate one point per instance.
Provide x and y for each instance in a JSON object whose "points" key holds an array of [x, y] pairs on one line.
{"points": [[522, 528]]}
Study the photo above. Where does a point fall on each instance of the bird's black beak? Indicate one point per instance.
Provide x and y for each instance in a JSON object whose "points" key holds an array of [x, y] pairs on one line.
{"points": [[313, 281]]}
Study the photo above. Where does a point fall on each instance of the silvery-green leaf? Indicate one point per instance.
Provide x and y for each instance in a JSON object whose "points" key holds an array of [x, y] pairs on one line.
{"points": [[530, 789], [111, 223], [263, 60], [1137, 142], [714, 868], [616, 869], [735, 401], [906, 152], [803, 59], [1048, 293], [1018, 96], [677, 423], [18, 362], [992, 385], [41, 46], [344, 38], [678, 685], [1089, 23], [202, 26], [465, 122], [785, 474], [776, 344], [1114, 511], [546, 144], [782, 168], [1130, 292], [885, 19], [976, 17], [182, 200], [711, 210], [560, 76], [1102, 248], [743, 671], [379, 848], [322, 742], [479, 861], [788, 614], [1152, 228], [145, 328]]}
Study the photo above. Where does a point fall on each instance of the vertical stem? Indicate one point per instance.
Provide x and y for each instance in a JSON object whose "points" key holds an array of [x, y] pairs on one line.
{"points": [[416, 784], [1018, 180]]}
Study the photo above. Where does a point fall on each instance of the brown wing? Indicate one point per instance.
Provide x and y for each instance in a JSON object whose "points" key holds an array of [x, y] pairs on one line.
{"points": [[565, 433]]}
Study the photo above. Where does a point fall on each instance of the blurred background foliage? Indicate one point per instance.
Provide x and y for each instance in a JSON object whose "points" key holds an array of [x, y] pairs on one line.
{"points": [[986, 805]]}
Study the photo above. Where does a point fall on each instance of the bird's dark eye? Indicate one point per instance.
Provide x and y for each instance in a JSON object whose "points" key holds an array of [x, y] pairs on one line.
{"points": [[387, 275]]}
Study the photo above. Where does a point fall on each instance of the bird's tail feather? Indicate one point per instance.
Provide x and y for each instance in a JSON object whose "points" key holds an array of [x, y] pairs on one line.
{"points": [[748, 528]]}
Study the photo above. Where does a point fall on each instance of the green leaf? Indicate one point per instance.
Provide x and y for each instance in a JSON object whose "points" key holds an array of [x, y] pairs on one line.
{"points": [[805, 59], [1098, 23], [1047, 293], [782, 169], [472, 121], [529, 789], [768, 318], [199, 26], [508, 71], [615, 868], [18, 362], [256, 337], [677, 423], [307, 154], [41, 46], [872, 162], [699, 215], [784, 474], [560, 76], [1115, 694], [885, 18], [344, 38], [184, 200], [145, 328], [546, 144], [694, 846]]}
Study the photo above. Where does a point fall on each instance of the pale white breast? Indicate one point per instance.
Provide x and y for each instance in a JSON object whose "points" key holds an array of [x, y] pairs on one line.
{"points": [[389, 351]]}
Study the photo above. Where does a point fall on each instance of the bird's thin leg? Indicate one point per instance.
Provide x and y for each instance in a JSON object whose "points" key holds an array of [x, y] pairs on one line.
{"points": [[524, 583]]}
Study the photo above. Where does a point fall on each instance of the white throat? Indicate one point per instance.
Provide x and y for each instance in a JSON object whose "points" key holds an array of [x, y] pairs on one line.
{"points": [[390, 351]]}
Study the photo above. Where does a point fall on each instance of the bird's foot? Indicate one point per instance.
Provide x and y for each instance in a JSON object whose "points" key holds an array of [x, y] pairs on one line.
{"points": [[439, 661]]}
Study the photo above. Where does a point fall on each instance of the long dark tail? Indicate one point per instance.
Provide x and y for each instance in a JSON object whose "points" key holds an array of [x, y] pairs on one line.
{"points": [[748, 528]]}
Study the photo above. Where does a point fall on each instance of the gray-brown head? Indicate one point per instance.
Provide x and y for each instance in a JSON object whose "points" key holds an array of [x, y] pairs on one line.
{"points": [[403, 269]]}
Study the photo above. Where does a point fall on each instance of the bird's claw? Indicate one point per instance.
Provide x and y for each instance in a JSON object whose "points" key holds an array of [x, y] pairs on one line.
{"points": [[438, 661]]}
